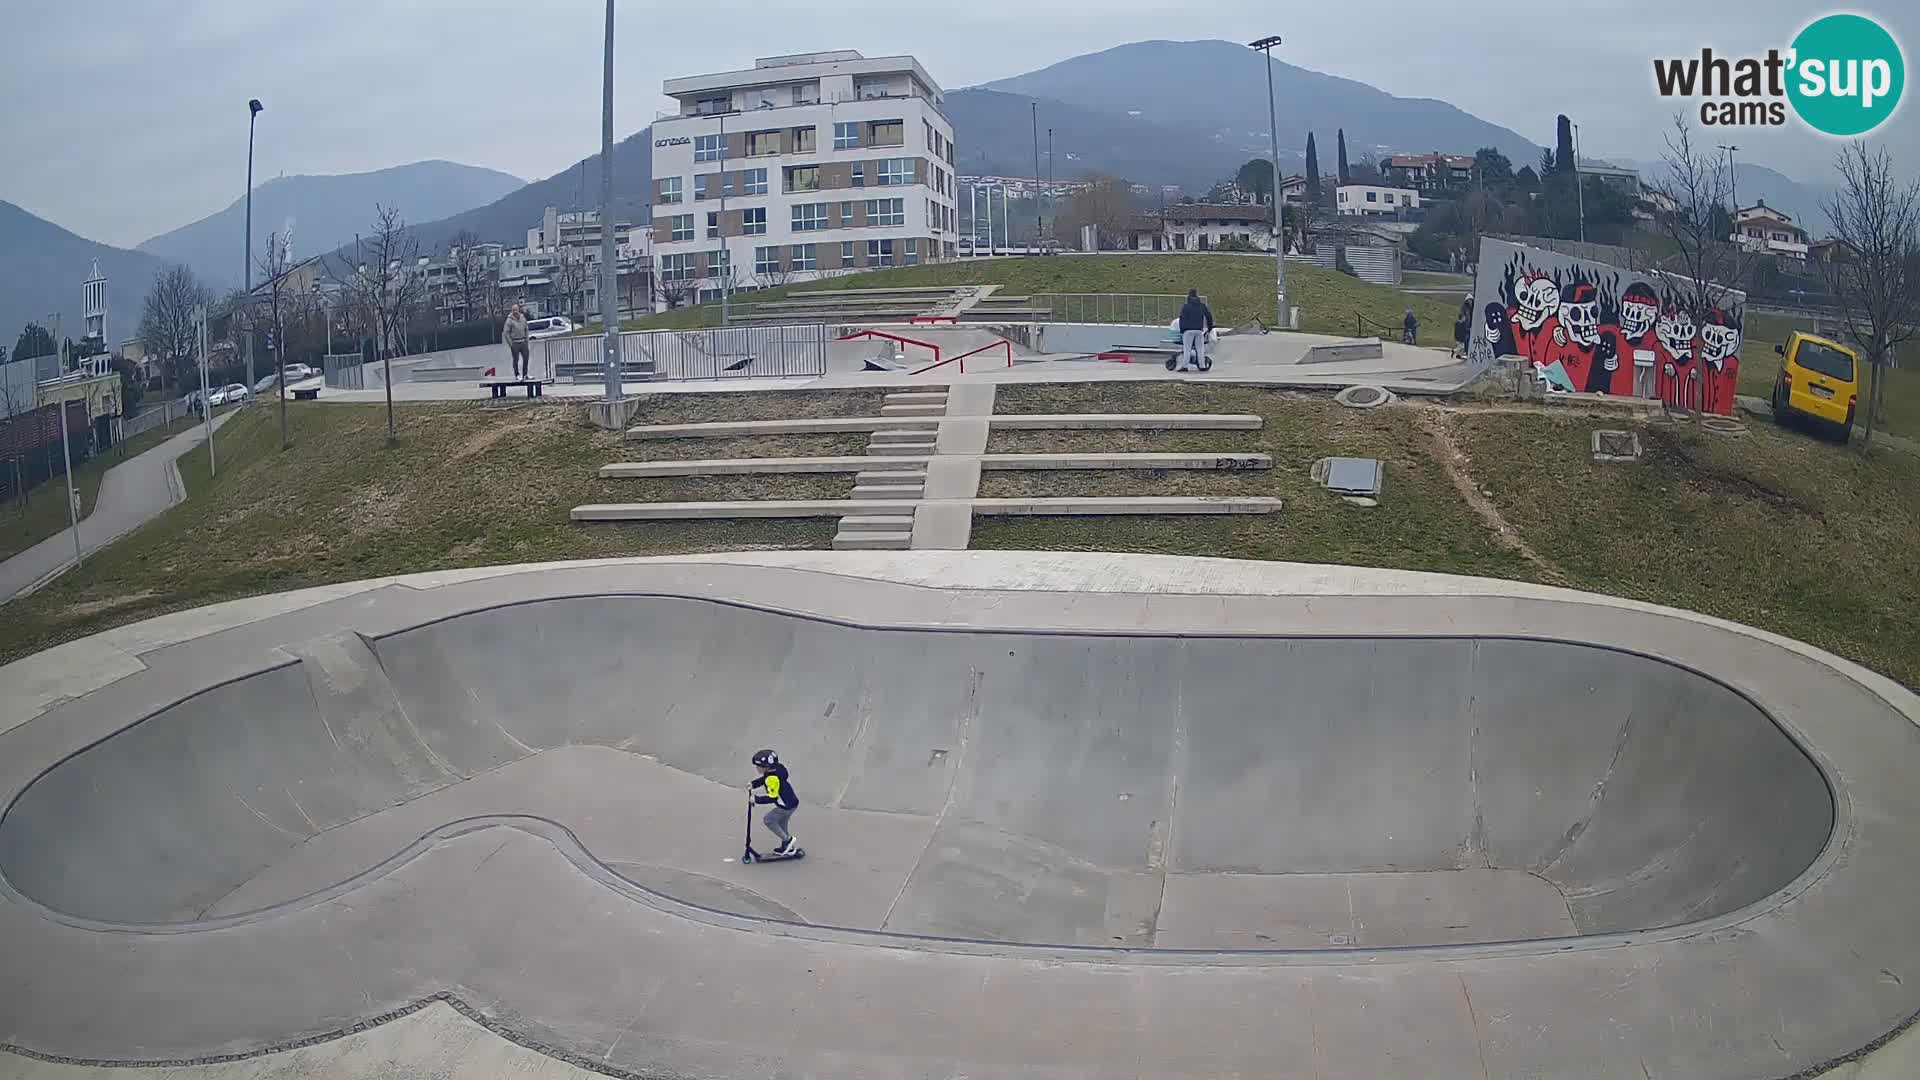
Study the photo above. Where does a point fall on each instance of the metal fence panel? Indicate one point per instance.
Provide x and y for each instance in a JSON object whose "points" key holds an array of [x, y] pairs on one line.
{"points": [[736, 352], [1133, 309], [165, 413], [344, 371]]}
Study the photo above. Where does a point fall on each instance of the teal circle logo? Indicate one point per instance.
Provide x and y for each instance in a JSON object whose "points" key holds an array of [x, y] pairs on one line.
{"points": [[1847, 75]]}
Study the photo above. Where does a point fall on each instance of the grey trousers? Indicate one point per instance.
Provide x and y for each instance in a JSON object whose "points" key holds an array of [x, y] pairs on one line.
{"points": [[1193, 348], [776, 820]]}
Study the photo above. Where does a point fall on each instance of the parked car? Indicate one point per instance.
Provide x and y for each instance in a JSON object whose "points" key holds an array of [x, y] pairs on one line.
{"points": [[1820, 380], [230, 394], [547, 326], [265, 385]]}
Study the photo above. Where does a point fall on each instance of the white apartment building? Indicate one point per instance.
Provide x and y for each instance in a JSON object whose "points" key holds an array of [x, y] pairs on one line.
{"points": [[1373, 199], [805, 166]]}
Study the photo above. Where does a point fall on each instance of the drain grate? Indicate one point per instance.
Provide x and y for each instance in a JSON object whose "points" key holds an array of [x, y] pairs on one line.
{"points": [[1616, 446], [1350, 475]]}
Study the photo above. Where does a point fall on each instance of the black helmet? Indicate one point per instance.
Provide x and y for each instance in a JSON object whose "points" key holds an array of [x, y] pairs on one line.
{"points": [[765, 759]]}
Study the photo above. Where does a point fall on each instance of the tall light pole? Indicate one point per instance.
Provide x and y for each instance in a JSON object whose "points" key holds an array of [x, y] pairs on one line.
{"points": [[609, 274], [1733, 188], [66, 452], [1049, 194], [246, 264], [1037, 194], [726, 260], [1265, 46]]}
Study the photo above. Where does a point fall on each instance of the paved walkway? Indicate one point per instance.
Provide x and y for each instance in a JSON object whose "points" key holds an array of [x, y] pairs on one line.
{"points": [[132, 493]]}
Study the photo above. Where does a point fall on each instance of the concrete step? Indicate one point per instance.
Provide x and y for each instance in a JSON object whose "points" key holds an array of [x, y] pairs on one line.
{"points": [[873, 541], [890, 476], [916, 397], [905, 449], [876, 523], [913, 410], [888, 491]]}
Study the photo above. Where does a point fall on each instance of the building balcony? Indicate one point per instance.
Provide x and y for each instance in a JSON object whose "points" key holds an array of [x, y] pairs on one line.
{"points": [[694, 113]]}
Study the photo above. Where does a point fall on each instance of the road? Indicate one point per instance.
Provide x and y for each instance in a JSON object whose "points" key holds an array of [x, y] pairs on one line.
{"points": [[131, 494]]}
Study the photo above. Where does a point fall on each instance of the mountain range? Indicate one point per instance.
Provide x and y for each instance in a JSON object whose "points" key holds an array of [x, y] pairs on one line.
{"points": [[324, 212], [1183, 113]]}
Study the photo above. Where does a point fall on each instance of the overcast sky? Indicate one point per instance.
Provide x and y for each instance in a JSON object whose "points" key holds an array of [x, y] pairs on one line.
{"points": [[125, 118]]}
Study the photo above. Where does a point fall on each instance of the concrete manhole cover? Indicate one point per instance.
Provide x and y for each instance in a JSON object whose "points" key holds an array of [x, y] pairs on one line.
{"points": [[1725, 426], [1348, 475], [1616, 446], [1363, 397]]}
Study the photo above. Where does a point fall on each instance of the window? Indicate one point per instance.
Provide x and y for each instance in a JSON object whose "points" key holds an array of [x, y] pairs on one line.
{"points": [[886, 211], [710, 105], [1372, 196], [895, 171], [718, 263], [846, 214], [766, 260], [846, 253], [846, 136], [682, 227], [713, 224], [708, 147], [753, 181], [912, 256], [1830, 362], [879, 253], [803, 178], [753, 221], [809, 217], [803, 257], [929, 129], [763, 143], [670, 190], [1343, 196], [859, 174], [703, 188], [676, 267], [803, 140], [887, 133], [1389, 199]]}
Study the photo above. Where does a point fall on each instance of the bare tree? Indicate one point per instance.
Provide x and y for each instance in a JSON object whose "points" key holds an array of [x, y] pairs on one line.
{"points": [[474, 278], [1711, 266], [385, 286], [275, 262], [570, 282], [676, 291], [1875, 271], [169, 322], [1105, 203]]}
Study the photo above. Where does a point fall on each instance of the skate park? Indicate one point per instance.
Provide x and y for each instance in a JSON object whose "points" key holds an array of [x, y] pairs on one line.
{"points": [[1065, 813]]}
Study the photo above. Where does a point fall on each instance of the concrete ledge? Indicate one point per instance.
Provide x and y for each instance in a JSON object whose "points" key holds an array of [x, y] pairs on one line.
{"points": [[1125, 505], [1357, 349], [1228, 462], [613, 415], [1128, 421], [748, 508], [819, 425], [627, 470]]}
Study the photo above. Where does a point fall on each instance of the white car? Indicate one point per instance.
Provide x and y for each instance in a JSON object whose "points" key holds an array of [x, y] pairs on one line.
{"points": [[547, 326], [230, 394], [298, 373]]}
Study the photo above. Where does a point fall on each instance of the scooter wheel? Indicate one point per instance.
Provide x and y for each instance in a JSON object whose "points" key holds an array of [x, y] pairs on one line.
{"points": [[1170, 364]]}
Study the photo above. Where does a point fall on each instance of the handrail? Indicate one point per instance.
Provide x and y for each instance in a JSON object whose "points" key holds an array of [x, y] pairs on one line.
{"points": [[962, 358], [896, 337]]}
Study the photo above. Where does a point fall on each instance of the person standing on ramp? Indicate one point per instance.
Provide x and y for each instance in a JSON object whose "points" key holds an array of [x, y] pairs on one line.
{"points": [[1196, 320]]}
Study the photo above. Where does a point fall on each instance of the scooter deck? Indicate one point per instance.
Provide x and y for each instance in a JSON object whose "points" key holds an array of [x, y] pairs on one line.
{"points": [[799, 853]]}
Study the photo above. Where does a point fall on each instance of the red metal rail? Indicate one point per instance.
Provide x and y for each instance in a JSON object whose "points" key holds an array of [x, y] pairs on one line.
{"points": [[903, 340], [962, 358]]}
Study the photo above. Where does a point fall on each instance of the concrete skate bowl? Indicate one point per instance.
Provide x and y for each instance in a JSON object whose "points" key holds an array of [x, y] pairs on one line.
{"points": [[1172, 792]]}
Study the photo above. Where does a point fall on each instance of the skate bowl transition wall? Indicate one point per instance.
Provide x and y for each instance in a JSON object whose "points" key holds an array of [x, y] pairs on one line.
{"points": [[1646, 795]]}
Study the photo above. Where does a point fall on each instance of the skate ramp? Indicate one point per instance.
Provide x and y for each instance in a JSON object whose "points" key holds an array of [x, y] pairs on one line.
{"points": [[1173, 791]]}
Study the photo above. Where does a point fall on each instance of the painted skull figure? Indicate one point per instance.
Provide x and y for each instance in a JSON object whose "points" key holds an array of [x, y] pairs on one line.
{"points": [[1580, 314], [1639, 309], [1537, 298], [1718, 338], [1496, 319], [1676, 334]]}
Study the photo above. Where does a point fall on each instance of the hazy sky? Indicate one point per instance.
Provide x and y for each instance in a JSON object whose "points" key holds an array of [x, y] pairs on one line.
{"points": [[125, 118]]}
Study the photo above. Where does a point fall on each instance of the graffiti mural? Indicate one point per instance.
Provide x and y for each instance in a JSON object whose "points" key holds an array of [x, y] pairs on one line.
{"points": [[1587, 327]]}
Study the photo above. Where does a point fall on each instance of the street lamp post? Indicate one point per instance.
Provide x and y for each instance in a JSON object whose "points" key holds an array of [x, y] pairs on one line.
{"points": [[609, 302], [1038, 196], [66, 456], [1265, 46], [1733, 188], [1579, 185], [246, 264]]}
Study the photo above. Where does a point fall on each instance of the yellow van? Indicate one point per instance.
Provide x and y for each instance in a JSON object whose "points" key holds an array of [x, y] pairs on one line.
{"points": [[1819, 379]]}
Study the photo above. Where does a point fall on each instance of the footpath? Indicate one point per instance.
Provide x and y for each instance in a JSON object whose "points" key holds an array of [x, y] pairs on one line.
{"points": [[132, 493]]}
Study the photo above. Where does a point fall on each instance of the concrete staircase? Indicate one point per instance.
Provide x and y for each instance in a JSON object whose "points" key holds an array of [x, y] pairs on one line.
{"points": [[919, 414]]}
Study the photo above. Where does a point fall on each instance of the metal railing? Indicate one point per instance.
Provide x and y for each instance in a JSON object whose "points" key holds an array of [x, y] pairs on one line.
{"points": [[737, 352], [344, 371], [1134, 309]]}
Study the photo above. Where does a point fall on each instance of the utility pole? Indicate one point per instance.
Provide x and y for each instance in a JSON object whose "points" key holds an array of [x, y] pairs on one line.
{"points": [[1265, 46], [254, 109], [1579, 185], [1037, 195], [1050, 195], [726, 260], [206, 413], [1733, 189], [610, 368], [66, 451]]}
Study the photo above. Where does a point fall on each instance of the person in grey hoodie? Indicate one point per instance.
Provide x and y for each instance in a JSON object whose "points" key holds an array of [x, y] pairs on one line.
{"points": [[1196, 320], [516, 338]]}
